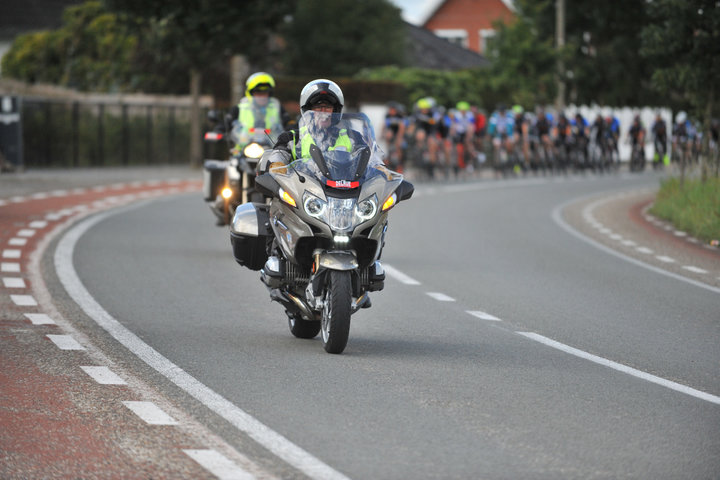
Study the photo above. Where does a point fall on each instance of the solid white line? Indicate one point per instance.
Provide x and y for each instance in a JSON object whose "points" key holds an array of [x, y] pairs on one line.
{"points": [[65, 342], [219, 465], [40, 319], [13, 282], [399, 276], [273, 441], [440, 297], [104, 376], [11, 253], [622, 368], [557, 218], [10, 267], [23, 300], [150, 413], [484, 316]]}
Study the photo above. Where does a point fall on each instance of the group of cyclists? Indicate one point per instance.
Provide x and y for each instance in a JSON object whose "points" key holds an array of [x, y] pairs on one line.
{"points": [[433, 142]]}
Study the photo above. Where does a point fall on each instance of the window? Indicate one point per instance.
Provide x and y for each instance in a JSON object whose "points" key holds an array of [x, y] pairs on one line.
{"points": [[453, 35], [485, 34]]}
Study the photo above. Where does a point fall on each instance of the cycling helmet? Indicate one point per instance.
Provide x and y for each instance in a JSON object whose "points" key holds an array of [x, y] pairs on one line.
{"points": [[322, 90], [463, 106], [259, 82], [423, 104], [518, 109], [681, 117]]}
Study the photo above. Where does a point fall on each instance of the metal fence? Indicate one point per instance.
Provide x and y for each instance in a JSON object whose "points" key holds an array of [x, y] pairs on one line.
{"points": [[92, 133]]}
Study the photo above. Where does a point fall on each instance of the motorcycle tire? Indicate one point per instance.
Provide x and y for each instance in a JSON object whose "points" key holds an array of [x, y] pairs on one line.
{"points": [[335, 325], [304, 328]]}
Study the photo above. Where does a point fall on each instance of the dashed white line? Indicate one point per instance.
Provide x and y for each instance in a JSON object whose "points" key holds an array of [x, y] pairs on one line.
{"points": [[104, 376], [665, 259], [26, 232], [219, 465], [11, 253], [399, 276], [13, 282], [40, 319], [38, 224], [645, 250], [695, 269], [150, 413], [484, 316], [622, 368], [23, 300], [440, 297], [9, 267], [65, 342], [17, 242]]}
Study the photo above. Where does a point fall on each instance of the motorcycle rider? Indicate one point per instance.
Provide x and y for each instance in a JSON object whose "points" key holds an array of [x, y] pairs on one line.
{"points": [[325, 100], [257, 110]]}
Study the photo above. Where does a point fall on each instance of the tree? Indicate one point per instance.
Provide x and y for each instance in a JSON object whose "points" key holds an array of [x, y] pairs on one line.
{"points": [[341, 37], [194, 32], [682, 41]]}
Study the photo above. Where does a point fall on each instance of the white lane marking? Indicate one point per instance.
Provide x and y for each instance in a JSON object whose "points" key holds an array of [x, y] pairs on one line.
{"points": [[694, 269], [39, 195], [23, 300], [484, 316], [399, 276], [557, 218], [11, 253], [665, 259], [17, 242], [26, 232], [10, 267], [440, 297], [622, 368], [219, 465], [645, 250], [40, 319], [65, 342], [150, 413], [629, 243], [38, 224], [13, 282], [678, 233], [241, 420], [104, 376]]}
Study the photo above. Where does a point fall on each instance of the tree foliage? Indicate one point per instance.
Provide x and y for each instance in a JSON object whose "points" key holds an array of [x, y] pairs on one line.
{"points": [[339, 38]]}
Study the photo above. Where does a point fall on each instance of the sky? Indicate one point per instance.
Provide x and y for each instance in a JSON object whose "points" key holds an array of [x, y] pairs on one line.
{"points": [[414, 11]]}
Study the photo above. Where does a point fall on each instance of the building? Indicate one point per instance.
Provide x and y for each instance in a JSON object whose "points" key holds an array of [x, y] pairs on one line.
{"points": [[468, 23]]}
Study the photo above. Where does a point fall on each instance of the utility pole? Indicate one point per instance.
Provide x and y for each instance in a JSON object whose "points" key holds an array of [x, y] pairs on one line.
{"points": [[560, 43]]}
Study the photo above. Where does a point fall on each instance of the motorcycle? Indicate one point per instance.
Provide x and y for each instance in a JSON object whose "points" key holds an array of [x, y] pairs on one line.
{"points": [[318, 242], [229, 183]]}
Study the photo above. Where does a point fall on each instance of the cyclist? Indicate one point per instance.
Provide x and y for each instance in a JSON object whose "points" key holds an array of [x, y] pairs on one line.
{"points": [[423, 128], [660, 138], [521, 137], [581, 138], [394, 134], [562, 133], [636, 135], [501, 132], [462, 130]]}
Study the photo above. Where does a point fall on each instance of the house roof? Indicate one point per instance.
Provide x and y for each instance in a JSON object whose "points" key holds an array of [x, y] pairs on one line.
{"points": [[23, 16], [427, 50]]}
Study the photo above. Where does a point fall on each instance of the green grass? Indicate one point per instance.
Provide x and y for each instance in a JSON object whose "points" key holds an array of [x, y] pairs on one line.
{"points": [[693, 207]]}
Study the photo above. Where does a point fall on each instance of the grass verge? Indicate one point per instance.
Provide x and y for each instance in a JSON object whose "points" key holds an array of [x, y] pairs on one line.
{"points": [[693, 207]]}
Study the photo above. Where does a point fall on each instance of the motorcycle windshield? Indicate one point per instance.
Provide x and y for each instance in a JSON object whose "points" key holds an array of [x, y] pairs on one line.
{"points": [[338, 149]]}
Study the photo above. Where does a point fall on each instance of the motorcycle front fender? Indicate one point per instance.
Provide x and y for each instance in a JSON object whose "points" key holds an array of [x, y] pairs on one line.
{"points": [[335, 260]]}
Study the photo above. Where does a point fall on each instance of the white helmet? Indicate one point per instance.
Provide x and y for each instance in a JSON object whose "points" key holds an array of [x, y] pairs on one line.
{"points": [[680, 117], [322, 89]]}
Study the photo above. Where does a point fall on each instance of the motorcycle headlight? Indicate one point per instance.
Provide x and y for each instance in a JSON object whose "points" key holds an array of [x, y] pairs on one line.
{"points": [[253, 150], [366, 209], [314, 206]]}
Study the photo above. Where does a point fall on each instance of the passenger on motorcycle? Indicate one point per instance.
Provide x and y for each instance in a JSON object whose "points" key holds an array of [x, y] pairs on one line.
{"points": [[257, 111]]}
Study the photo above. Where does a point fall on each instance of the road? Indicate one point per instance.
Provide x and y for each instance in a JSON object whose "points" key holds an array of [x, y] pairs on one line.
{"points": [[530, 328], [500, 360]]}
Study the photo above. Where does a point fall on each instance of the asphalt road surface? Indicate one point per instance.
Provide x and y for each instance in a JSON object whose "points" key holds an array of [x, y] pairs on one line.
{"points": [[502, 346]]}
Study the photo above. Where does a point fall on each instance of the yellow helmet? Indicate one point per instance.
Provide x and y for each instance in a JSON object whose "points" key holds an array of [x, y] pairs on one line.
{"points": [[259, 82]]}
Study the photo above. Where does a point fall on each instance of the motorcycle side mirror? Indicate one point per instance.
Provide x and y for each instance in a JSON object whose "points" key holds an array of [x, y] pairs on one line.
{"points": [[267, 185], [363, 163], [405, 190], [317, 155]]}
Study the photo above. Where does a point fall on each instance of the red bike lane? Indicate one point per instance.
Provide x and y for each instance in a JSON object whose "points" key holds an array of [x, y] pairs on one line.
{"points": [[64, 414]]}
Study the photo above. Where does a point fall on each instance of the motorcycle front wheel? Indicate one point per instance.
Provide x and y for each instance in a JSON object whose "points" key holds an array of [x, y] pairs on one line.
{"points": [[336, 311]]}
